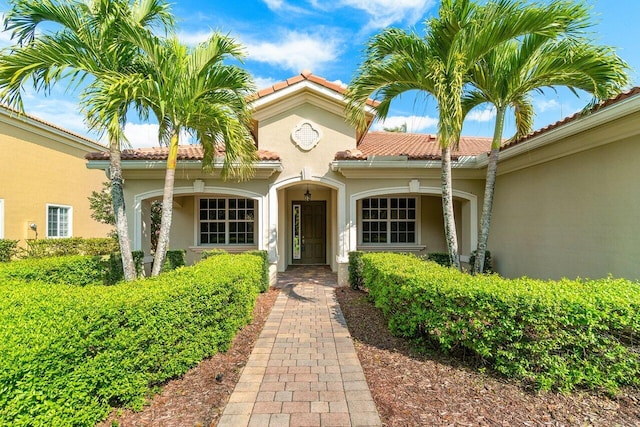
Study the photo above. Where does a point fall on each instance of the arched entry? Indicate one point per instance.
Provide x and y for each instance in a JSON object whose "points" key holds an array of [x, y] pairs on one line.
{"points": [[286, 194]]}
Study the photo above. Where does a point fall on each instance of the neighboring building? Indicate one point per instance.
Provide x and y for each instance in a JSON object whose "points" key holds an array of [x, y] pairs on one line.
{"points": [[321, 190], [44, 181]]}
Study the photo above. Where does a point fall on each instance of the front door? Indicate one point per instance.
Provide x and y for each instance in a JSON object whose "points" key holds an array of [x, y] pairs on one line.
{"points": [[309, 232]]}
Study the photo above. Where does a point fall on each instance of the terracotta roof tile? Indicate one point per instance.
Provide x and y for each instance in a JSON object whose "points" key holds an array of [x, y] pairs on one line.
{"points": [[185, 152], [612, 101], [304, 75], [413, 145]]}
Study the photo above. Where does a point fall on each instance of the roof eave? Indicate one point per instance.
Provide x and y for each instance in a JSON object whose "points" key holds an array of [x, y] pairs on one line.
{"points": [[574, 127], [275, 165], [400, 162]]}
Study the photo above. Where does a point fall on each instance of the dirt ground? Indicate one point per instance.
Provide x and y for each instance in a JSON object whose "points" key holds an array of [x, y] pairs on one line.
{"points": [[433, 390]]}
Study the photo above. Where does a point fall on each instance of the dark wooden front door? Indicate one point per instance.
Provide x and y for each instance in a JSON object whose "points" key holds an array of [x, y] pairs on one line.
{"points": [[313, 232]]}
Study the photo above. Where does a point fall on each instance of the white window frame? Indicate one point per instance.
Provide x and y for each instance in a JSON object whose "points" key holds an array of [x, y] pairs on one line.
{"points": [[70, 220], [227, 221], [389, 244], [1, 218]]}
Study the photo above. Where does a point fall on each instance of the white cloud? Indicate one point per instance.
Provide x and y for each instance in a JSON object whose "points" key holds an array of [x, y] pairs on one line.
{"points": [[543, 105], [194, 38], [484, 115], [146, 135], [295, 51], [61, 113], [414, 123], [274, 4], [264, 82], [383, 13], [282, 6], [142, 134], [5, 36]]}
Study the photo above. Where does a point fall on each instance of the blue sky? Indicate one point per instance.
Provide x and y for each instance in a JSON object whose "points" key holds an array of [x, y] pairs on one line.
{"points": [[283, 38]]}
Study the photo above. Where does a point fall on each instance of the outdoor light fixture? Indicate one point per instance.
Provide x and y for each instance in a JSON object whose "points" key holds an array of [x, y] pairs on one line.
{"points": [[307, 195], [33, 226]]}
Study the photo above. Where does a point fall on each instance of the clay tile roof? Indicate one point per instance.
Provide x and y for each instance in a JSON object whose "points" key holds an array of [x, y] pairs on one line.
{"points": [[612, 101], [309, 76], [413, 145], [185, 152]]}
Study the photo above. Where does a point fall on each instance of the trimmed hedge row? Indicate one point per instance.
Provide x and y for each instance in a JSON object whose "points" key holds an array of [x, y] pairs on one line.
{"points": [[42, 248], [70, 354], [8, 249], [557, 335], [261, 253], [71, 270]]}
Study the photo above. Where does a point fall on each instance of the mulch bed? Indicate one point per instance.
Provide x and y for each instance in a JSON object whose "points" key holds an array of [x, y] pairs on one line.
{"points": [[412, 389], [198, 398]]}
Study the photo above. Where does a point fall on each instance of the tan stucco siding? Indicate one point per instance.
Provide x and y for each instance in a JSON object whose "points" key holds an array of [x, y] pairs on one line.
{"points": [[275, 135], [38, 169], [573, 216]]}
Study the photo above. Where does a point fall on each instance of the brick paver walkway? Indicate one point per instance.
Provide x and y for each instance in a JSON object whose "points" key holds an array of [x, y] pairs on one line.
{"points": [[303, 370]]}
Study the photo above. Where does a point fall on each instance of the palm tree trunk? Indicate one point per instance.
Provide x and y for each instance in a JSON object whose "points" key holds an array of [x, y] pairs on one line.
{"points": [[167, 206], [117, 199], [489, 189], [447, 209]]}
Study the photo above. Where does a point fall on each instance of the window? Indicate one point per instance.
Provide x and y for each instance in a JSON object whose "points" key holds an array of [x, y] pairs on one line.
{"points": [[389, 220], [59, 220], [227, 221]]}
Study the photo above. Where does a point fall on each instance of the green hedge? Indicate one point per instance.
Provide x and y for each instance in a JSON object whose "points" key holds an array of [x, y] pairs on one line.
{"points": [[488, 261], [71, 270], [113, 270], [174, 259], [441, 258], [8, 249], [70, 246], [261, 253], [558, 335], [355, 270], [264, 256], [70, 354]]}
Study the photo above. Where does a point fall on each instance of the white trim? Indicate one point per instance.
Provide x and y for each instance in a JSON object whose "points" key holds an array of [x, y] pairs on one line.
{"points": [[138, 198], [1, 218], [273, 165], [353, 211], [342, 252], [301, 144], [196, 221], [417, 222], [297, 87], [69, 219]]}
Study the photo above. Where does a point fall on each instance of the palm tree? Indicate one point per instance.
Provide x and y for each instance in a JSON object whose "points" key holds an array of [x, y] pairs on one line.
{"points": [[86, 44], [190, 89], [439, 64], [507, 75]]}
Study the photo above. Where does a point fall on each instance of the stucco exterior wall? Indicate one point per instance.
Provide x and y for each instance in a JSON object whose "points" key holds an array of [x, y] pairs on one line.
{"points": [[573, 216], [41, 167]]}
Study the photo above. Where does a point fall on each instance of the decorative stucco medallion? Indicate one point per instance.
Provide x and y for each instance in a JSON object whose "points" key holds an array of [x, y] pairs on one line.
{"points": [[306, 135]]}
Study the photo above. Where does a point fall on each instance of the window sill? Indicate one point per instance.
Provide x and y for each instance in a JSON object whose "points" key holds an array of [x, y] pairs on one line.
{"points": [[232, 249], [391, 248]]}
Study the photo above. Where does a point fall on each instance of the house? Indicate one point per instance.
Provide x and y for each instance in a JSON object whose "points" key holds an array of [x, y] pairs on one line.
{"points": [[44, 181], [322, 190]]}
